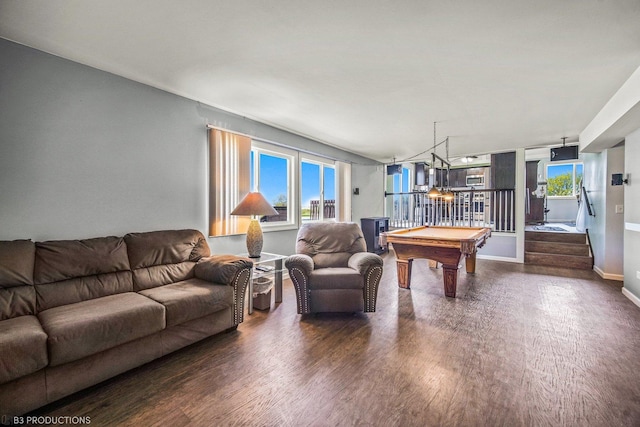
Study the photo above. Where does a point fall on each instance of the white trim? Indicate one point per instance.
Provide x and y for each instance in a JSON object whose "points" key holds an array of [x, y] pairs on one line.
{"points": [[608, 276], [504, 234], [498, 258], [519, 204], [291, 156], [632, 226], [634, 299]]}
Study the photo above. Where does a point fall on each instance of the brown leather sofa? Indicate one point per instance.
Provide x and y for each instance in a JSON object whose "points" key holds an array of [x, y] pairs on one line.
{"points": [[331, 271], [74, 313]]}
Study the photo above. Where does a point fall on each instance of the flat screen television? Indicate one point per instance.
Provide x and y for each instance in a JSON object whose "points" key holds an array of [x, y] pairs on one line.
{"points": [[569, 152], [394, 169]]}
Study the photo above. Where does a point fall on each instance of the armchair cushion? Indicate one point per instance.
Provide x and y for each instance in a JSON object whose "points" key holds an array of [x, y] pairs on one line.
{"points": [[330, 244], [335, 278]]}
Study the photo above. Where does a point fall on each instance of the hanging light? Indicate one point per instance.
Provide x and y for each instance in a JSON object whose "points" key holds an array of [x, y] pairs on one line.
{"points": [[448, 195], [434, 192]]}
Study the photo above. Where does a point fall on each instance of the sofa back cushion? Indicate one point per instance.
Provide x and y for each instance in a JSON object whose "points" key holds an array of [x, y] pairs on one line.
{"points": [[161, 257], [330, 244], [17, 294], [70, 271]]}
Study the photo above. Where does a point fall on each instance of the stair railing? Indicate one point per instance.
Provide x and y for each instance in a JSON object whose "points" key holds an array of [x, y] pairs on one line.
{"points": [[492, 208]]}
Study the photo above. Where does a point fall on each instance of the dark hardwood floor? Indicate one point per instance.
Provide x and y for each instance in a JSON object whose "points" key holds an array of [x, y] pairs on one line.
{"points": [[520, 346]]}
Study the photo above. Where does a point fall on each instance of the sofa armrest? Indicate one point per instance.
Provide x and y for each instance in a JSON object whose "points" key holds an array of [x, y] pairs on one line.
{"points": [[221, 268], [363, 261], [228, 270], [300, 267]]}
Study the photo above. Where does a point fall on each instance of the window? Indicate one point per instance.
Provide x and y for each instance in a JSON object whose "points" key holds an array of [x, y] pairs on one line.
{"points": [[317, 189], [272, 175], [563, 180], [401, 202], [239, 164]]}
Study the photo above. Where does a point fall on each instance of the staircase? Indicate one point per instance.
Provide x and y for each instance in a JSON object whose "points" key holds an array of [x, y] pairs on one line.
{"points": [[569, 250]]}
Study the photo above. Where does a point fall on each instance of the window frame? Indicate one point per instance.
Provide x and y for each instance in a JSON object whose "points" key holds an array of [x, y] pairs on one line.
{"points": [[576, 190], [293, 208], [322, 162]]}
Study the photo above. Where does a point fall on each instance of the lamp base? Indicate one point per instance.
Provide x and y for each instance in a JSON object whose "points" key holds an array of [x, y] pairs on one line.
{"points": [[254, 239]]}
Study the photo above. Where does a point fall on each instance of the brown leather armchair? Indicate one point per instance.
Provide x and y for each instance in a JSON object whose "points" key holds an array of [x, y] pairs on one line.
{"points": [[331, 271]]}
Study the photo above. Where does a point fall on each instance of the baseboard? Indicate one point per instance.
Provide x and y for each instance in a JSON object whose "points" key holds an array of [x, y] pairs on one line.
{"points": [[608, 276], [498, 258], [634, 299]]}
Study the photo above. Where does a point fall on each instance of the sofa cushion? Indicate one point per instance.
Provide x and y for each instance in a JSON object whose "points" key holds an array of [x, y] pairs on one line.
{"points": [[24, 347], [16, 262], [165, 274], [336, 278], [88, 327], [162, 257], [17, 301], [66, 259], [191, 299], [17, 295], [71, 271]]}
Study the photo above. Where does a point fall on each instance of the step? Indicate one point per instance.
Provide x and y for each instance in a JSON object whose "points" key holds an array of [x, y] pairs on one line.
{"points": [[556, 247], [552, 236], [555, 260]]}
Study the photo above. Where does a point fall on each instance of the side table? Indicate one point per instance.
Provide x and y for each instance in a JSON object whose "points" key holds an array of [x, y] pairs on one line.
{"points": [[268, 265]]}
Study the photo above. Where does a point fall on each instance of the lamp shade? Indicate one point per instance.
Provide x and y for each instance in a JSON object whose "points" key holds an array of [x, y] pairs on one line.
{"points": [[434, 192], [254, 204]]}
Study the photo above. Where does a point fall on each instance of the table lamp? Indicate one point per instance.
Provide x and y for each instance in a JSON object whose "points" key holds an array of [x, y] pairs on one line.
{"points": [[256, 205]]}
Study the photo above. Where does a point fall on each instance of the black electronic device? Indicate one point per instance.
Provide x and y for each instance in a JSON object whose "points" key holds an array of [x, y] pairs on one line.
{"points": [[569, 152], [618, 179], [394, 169]]}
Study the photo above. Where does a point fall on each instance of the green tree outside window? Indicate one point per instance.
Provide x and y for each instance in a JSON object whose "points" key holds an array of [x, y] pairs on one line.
{"points": [[564, 179]]}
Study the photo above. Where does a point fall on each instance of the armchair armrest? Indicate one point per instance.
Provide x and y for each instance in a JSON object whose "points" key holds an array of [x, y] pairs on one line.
{"points": [[370, 267], [300, 267], [301, 261], [228, 270], [362, 261]]}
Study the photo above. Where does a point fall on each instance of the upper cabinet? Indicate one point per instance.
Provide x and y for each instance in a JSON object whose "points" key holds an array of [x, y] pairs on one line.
{"points": [[503, 170]]}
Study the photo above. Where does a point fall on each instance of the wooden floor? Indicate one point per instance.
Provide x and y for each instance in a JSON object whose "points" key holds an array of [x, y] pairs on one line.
{"points": [[519, 346]]}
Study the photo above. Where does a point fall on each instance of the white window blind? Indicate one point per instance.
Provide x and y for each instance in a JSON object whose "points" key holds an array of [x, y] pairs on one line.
{"points": [[229, 181]]}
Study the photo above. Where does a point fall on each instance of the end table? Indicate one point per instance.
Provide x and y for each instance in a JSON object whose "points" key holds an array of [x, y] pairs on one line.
{"points": [[268, 265]]}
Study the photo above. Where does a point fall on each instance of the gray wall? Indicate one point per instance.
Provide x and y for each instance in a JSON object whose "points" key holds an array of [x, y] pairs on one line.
{"points": [[370, 201], [85, 153], [632, 216], [606, 227]]}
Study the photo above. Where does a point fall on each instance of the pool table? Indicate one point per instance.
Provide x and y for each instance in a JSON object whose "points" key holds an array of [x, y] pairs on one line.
{"points": [[442, 244]]}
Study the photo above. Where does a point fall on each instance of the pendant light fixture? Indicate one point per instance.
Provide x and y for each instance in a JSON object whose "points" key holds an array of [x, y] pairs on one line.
{"points": [[434, 192], [448, 195]]}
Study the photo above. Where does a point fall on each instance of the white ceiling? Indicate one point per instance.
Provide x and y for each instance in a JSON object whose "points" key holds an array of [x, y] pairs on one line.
{"points": [[369, 76]]}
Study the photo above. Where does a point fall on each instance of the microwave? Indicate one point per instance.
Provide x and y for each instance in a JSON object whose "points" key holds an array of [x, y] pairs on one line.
{"points": [[475, 180]]}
